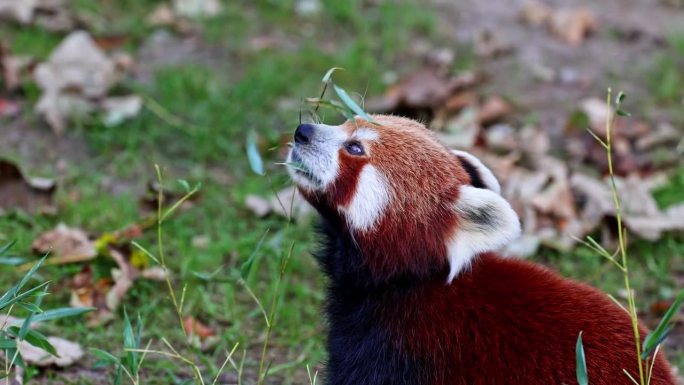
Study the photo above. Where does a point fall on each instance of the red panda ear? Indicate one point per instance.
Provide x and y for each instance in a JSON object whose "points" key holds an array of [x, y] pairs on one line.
{"points": [[486, 222], [480, 175]]}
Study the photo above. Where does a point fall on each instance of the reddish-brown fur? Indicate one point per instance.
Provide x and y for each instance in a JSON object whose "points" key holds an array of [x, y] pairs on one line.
{"points": [[509, 321], [503, 321]]}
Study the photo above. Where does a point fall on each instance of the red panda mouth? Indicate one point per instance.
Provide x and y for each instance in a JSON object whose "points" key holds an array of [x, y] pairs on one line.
{"points": [[301, 169]]}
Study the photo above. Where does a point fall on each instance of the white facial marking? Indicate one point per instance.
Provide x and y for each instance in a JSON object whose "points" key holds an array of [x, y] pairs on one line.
{"points": [[486, 223], [365, 133], [315, 165], [486, 174], [371, 197]]}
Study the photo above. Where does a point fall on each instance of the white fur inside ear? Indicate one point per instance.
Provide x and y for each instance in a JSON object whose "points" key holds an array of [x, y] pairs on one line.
{"points": [[371, 197], [486, 174], [486, 223]]}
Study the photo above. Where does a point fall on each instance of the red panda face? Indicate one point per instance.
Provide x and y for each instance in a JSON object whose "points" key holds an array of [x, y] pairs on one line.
{"points": [[412, 205]]}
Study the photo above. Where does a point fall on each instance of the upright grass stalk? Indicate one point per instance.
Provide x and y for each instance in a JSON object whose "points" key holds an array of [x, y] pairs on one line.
{"points": [[622, 262], [610, 126]]}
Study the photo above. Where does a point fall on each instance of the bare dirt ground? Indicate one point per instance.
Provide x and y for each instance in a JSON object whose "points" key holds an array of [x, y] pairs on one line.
{"points": [[629, 34]]}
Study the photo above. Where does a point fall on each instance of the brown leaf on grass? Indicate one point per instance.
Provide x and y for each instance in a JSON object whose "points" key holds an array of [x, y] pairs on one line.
{"points": [[489, 44], [494, 109], [461, 131], [87, 292], [573, 25], [119, 109], [287, 201], [9, 108], [13, 68], [68, 353], [422, 90], [535, 13], [18, 11], [76, 74], [162, 16], [33, 195], [196, 328], [65, 245]]}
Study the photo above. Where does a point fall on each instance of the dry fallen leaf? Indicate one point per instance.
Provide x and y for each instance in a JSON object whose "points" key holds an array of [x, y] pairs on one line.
{"points": [[162, 16], [9, 108], [76, 73], [18, 11], [494, 109], [68, 353], [535, 13], [573, 25], [33, 195], [65, 245], [287, 200], [119, 109], [423, 90], [196, 328]]}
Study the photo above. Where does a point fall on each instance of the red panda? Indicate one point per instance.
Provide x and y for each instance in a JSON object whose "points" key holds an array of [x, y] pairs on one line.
{"points": [[417, 294]]}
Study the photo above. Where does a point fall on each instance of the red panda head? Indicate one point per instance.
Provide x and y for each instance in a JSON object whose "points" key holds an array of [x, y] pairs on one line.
{"points": [[411, 205]]}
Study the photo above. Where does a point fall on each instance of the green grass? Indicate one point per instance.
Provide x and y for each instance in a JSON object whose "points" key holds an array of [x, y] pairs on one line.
{"points": [[216, 105], [666, 78]]}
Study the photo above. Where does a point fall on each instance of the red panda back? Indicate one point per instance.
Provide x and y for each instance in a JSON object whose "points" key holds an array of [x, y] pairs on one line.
{"points": [[512, 322]]}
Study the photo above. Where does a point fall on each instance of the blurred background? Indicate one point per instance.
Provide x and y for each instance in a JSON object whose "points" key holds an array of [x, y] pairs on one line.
{"points": [[94, 94]]}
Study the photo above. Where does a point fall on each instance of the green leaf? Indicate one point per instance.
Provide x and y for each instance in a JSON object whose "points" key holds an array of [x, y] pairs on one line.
{"points": [[328, 75], [255, 161], [65, 312], [350, 103], [12, 261], [105, 357], [27, 322], [581, 362], [118, 375], [34, 338], [7, 343], [12, 297], [130, 342], [620, 97], [184, 183], [31, 306], [660, 332], [246, 267], [5, 249], [623, 113]]}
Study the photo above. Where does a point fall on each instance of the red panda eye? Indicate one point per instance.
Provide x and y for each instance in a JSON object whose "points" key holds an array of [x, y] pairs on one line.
{"points": [[354, 148]]}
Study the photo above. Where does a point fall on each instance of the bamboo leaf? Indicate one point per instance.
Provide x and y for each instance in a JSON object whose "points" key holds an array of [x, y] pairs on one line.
{"points": [[65, 312], [581, 362], [660, 332], [255, 160], [350, 103], [328, 75]]}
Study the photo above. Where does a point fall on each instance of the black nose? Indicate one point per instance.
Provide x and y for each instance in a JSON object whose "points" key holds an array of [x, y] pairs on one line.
{"points": [[304, 133]]}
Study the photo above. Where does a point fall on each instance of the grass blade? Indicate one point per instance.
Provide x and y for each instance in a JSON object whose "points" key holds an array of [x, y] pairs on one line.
{"points": [[65, 312], [130, 342], [658, 334], [5, 249], [246, 267]]}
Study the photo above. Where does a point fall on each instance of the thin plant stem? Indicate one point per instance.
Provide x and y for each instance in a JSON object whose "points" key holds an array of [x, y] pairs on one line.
{"points": [[160, 243], [610, 125]]}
